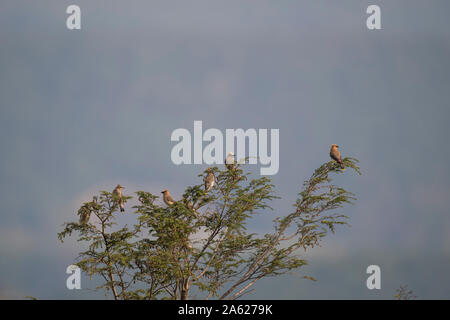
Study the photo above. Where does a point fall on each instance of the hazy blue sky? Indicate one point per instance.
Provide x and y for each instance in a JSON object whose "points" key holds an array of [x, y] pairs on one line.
{"points": [[81, 111]]}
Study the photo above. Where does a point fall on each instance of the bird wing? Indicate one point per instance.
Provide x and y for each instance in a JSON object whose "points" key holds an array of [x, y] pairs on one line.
{"points": [[229, 159], [335, 155]]}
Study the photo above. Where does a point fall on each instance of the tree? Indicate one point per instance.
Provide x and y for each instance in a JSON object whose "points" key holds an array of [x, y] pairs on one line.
{"points": [[403, 293], [202, 239]]}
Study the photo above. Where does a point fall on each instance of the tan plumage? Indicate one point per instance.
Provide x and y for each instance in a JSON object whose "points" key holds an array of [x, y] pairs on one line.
{"points": [[336, 155], [85, 214], [86, 209], [167, 198], [190, 206], [209, 180], [188, 245], [118, 193], [229, 161]]}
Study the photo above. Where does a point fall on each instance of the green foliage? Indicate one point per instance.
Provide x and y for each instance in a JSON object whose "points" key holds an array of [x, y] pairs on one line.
{"points": [[403, 293], [202, 239]]}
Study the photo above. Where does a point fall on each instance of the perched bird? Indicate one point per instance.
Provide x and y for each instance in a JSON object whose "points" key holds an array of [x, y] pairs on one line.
{"points": [[190, 206], [86, 210], [229, 161], [167, 198], [188, 245], [85, 214], [209, 180], [118, 193], [336, 155]]}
